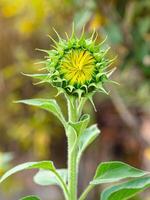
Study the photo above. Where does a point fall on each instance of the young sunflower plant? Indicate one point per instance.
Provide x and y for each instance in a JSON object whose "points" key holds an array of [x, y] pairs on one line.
{"points": [[78, 68]]}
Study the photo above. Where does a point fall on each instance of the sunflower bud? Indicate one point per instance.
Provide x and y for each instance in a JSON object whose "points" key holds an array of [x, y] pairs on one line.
{"points": [[78, 66]]}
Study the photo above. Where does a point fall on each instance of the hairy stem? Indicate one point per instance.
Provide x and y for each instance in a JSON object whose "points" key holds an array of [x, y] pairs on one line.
{"points": [[72, 176], [72, 153]]}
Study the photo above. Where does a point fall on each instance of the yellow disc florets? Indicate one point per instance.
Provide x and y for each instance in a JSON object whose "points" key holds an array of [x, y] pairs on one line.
{"points": [[77, 66]]}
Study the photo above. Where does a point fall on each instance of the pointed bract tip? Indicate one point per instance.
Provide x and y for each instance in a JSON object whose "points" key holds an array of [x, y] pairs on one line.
{"points": [[52, 38], [93, 33], [67, 35], [92, 102], [57, 34]]}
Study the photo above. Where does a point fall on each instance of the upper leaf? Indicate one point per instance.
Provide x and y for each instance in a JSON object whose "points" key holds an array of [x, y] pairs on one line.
{"points": [[46, 165], [126, 190], [47, 104], [30, 198], [115, 171], [45, 177], [88, 136]]}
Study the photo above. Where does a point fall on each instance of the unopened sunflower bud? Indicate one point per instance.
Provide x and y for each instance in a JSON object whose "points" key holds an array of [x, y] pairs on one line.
{"points": [[78, 66]]}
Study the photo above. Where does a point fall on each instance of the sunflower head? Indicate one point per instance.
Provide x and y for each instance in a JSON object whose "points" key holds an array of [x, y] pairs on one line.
{"points": [[77, 66]]}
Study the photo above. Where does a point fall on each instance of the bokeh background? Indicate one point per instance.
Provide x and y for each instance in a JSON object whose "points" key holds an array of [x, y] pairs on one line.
{"points": [[30, 134]]}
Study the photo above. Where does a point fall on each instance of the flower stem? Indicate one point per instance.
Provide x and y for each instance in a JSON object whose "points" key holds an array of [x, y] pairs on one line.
{"points": [[72, 177], [72, 153]]}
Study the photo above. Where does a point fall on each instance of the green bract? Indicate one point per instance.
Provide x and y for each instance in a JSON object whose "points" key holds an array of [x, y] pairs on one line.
{"points": [[77, 66]]}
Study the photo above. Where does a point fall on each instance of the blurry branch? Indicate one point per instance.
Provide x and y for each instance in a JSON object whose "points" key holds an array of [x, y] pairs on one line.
{"points": [[128, 118], [122, 109]]}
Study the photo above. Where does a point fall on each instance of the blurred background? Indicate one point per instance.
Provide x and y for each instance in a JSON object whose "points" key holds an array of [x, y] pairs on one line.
{"points": [[30, 134]]}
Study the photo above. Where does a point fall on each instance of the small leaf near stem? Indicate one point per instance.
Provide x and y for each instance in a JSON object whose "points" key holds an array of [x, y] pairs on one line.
{"points": [[86, 138]]}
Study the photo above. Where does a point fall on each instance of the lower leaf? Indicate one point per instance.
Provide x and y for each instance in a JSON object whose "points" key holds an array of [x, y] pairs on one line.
{"points": [[44, 165], [47, 165], [45, 177], [126, 190], [30, 198], [113, 171]]}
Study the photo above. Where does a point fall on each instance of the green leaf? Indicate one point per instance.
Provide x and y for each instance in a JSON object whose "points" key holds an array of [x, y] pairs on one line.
{"points": [[126, 190], [46, 165], [87, 138], [30, 198], [45, 177], [115, 171], [46, 104], [81, 125]]}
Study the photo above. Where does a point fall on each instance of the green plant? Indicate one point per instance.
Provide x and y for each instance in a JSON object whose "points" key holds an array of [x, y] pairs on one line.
{"points": [[78, 68]]}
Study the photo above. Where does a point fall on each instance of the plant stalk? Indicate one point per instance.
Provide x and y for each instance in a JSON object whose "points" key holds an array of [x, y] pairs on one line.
{"points": [[72, 176], [72, 153]]}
